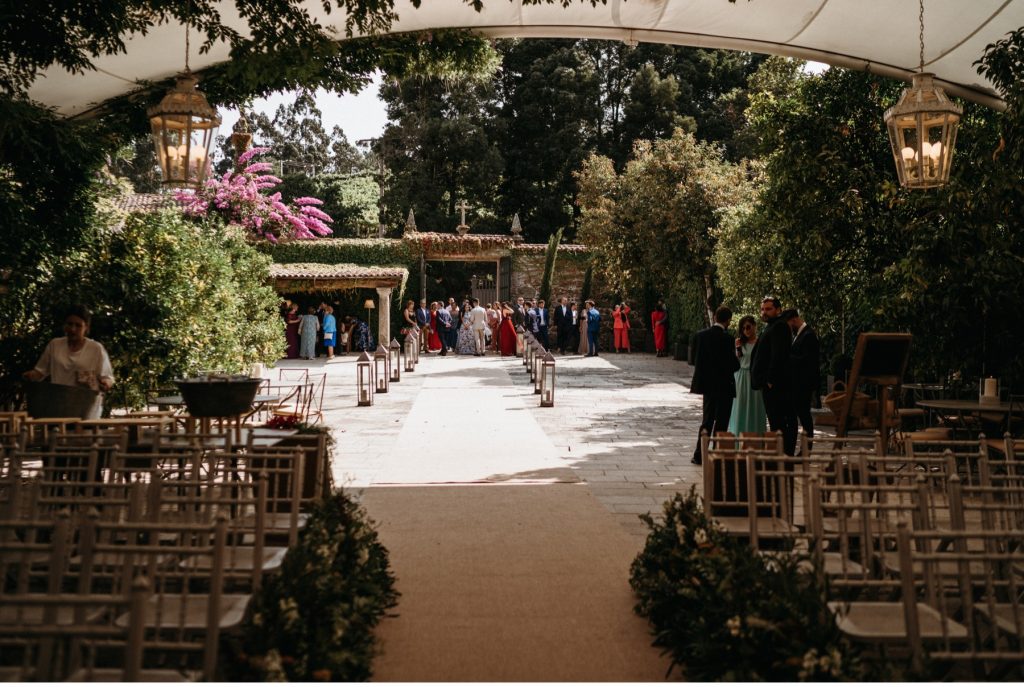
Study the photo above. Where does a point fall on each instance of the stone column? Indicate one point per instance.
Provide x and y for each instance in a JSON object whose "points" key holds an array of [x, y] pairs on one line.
{"points": [[384, 315]]}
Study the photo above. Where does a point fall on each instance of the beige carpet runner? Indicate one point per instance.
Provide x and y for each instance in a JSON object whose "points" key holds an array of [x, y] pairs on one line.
{"points": [[509, 583]]}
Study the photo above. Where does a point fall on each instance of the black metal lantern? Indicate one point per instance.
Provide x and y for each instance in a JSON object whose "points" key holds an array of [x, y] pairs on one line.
{"points": [[520, 348], [382, 369], [535, 371], [547, 381], [412, 346], [395, 360], [364, 379]]}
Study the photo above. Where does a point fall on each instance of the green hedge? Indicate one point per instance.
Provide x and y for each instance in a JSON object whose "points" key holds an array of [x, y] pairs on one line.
{"points": [[378, 252]]}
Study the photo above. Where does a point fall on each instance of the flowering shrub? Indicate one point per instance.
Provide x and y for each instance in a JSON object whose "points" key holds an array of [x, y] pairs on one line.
{"points": [[724, 613], [241, 198], [314, 619]]}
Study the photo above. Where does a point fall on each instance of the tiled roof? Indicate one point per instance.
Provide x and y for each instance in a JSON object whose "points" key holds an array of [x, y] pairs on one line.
{"points": [[312, 270], [542, 247], [469, 240]]}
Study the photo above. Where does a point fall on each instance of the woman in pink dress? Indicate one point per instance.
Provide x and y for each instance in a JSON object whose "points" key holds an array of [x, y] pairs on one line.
{"points": [[434, 342]]}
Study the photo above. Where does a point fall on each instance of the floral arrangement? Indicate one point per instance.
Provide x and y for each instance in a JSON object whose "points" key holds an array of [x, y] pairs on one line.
{"points": [[243, 199], [724, 613], [282, 422], [314, 620]]}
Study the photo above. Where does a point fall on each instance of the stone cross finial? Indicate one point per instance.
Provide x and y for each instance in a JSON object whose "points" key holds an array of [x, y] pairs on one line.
{"points": [[463, 227]]}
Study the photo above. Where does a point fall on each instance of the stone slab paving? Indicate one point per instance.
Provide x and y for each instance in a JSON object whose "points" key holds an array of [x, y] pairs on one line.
{"points": [[624, 424]]}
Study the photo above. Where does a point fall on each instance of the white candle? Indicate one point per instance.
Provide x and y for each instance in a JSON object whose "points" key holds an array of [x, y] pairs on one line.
{"points": [[990, 387]]}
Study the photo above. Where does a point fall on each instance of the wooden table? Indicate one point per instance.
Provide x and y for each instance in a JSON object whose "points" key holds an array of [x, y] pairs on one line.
{"points": [[961, 408]]}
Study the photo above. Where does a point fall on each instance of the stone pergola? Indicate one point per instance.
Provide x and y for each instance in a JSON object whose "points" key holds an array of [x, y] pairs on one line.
{"points": [[314, 278]]}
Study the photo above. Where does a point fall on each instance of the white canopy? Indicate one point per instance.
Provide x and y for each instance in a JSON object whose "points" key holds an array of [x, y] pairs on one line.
{"points": [[880, 36]]}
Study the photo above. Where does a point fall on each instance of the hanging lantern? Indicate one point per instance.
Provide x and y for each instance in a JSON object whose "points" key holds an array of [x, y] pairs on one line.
{"points": [[183, 126], [382, 369], [395, 360], [547, 381], [364, 380], [922, 128]]}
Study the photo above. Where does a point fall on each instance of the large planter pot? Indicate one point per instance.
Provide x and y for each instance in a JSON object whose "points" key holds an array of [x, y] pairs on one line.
{"points": [[58, 400], [218, 397]]}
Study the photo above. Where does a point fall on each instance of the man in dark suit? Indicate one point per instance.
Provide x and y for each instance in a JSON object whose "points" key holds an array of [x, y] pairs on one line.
{"points": [[770, 372], [563, 320], [529, 319], [444, 329], [804, 361], [423, 322], [519, 313], [713, 367], [541, 320]]}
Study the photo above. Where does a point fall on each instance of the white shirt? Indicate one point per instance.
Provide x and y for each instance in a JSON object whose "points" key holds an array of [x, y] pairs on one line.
{"points": [[478, 317], [795, 336], [62, 365]]}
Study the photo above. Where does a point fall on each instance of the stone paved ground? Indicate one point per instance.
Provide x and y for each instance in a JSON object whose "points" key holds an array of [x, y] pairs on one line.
{"points": [[623, 424]]}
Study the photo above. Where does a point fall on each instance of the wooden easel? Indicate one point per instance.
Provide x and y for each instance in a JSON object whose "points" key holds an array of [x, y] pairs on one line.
{"points": [[880, 359]]}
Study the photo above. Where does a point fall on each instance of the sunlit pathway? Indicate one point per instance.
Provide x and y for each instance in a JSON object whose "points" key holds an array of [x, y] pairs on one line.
{"points": [[511, 527]]}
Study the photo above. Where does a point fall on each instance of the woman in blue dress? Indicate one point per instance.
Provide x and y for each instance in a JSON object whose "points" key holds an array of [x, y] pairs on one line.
{"points": [[308, 327], [360, 334], [748, 414], [330, 331]]}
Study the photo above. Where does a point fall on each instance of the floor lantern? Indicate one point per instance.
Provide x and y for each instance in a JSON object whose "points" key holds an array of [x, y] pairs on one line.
{"points": [[547, 381], [395, 359], [412, 346], [538, 364], [520, 348], [364, 379], [382, 369], [531, 358], [369, 305], [922, 128]]}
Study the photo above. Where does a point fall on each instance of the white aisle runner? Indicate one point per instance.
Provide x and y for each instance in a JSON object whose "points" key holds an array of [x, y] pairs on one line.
{"points": [[470, 422]]}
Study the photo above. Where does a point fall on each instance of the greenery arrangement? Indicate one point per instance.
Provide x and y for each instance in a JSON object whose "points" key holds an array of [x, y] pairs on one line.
{"points": [[724, 613], [314, 620]]}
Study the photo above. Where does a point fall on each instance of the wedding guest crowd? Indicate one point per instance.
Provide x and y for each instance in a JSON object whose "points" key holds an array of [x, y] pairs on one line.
{"points": [[321, 332], [750, 381]]}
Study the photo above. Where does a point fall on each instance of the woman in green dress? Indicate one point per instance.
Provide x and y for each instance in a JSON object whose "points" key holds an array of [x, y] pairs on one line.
{"points": [[748, 414]]}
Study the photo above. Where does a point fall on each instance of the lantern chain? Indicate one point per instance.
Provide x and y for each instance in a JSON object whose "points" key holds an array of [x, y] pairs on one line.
{"points": [[188, 21], [920, 19]]}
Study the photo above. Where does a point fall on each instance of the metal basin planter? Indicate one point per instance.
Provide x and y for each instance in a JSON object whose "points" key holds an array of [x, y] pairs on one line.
{"points": [[218, 397], [45, 399]]}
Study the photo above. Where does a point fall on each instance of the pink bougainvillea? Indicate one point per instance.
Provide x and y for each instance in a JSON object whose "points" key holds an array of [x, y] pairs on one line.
{"points": [[243, 198]]}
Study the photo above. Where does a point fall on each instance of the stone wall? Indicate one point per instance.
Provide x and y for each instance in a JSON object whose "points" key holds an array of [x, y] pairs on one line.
{"points": [[528, 271]]}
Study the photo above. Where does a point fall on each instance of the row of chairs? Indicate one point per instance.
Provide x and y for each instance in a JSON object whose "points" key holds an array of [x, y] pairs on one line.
{"points": [[890, 535], [122, 561]]}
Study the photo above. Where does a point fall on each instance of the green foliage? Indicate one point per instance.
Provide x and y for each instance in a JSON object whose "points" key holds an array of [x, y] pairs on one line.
{"points": [[723, 612], [175, 298], [314, 620], [350, 199], [656, 222], [379, 252], [549, 266], [588, 285]]}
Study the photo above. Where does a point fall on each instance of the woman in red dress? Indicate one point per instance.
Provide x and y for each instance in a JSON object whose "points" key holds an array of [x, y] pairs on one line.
{"points": [[659, 322], [434, 340], [506, 332]]}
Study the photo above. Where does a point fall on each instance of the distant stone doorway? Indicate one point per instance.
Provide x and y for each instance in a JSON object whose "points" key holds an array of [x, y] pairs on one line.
{"points": [[461, 280]]}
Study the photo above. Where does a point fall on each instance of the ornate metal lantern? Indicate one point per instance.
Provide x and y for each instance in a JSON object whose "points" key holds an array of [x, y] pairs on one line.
{"points": [[364, 379], [547, 381], [922, 129], [382, 369], [520, 348], [412, 347], [184, 126], [395, 360]]}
